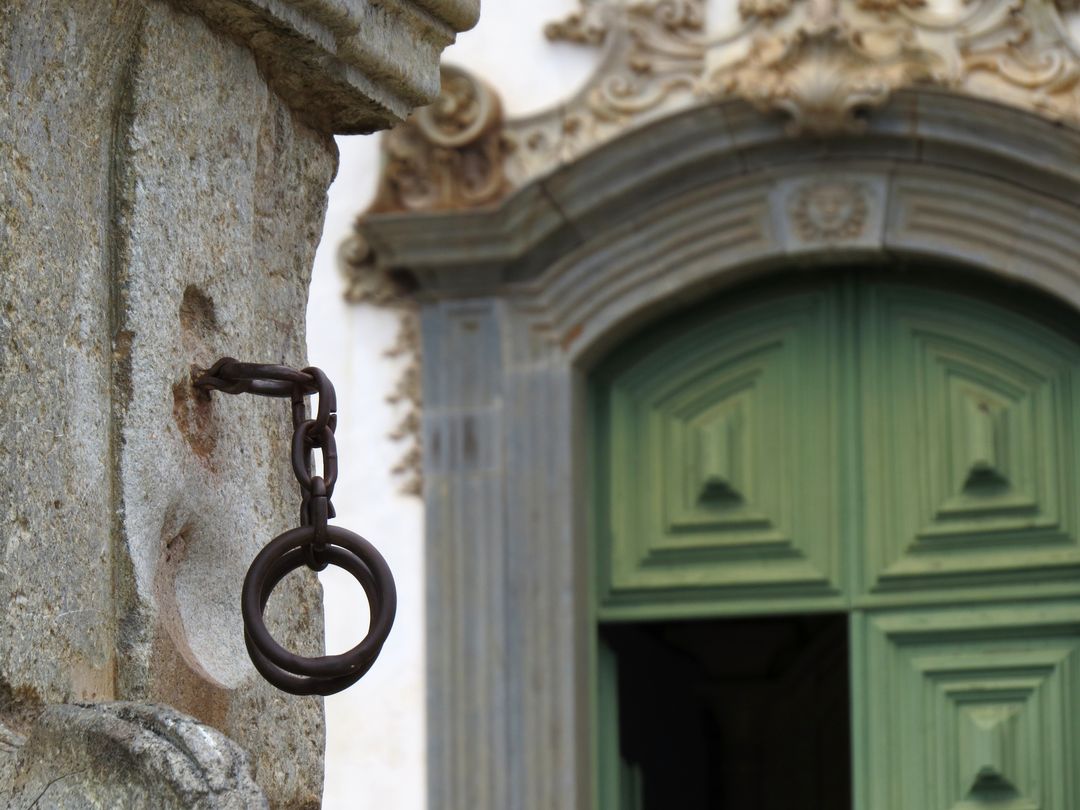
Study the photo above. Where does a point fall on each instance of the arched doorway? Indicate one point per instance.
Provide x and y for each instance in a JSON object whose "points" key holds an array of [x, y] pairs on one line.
{"points": [[846, 499], [517, 302]]}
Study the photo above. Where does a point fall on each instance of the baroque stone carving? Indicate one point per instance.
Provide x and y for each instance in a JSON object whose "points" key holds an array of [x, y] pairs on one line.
{"points": [[660, 54], [823, 64], [828, 210], [369, 283], [449, 154], [822, 76]]}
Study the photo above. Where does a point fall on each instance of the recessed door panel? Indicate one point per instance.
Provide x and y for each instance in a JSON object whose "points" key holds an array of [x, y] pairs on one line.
{"points": [[719, 464], [971, 443], [966, 709]]}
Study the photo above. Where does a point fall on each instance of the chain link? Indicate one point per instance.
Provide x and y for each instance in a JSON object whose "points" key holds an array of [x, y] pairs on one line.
{"points": [[316, 543]]}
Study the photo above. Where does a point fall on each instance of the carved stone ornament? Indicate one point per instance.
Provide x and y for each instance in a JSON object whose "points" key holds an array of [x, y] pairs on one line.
{"points": [[821, 65], [449, 154], [829, 210], [369, 283]]}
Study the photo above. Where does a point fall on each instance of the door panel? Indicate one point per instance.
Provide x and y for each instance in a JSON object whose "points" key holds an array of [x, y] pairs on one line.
{"points": [[969, 709], [720, 484], [971, 445]]}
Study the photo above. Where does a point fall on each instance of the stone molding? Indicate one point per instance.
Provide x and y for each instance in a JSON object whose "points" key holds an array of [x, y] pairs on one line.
{"points": [[347, 66], [509, 246]]}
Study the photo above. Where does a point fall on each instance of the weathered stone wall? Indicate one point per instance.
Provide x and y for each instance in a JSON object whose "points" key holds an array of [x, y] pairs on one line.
{"points": [[159, 207]]}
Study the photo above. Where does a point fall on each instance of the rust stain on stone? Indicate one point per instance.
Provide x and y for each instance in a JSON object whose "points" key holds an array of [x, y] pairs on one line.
{"points": [[194, 416]]}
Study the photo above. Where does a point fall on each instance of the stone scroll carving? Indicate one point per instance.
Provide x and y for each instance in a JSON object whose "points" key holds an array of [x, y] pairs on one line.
{"points": [[823, 65], [450, 154]]}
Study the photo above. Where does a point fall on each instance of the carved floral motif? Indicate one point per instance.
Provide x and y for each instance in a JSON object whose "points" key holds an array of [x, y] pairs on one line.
{"points": [[584, 27]]}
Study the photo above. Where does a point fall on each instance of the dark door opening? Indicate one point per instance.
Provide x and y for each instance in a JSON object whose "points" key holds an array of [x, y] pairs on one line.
{"points": [[744, 714]]}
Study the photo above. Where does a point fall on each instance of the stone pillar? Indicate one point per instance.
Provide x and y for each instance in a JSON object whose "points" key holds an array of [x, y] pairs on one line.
{"points": [[163, 170]]}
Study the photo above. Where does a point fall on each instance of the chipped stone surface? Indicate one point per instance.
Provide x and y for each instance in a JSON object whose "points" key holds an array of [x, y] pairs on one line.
{"points": [[131, 755]]}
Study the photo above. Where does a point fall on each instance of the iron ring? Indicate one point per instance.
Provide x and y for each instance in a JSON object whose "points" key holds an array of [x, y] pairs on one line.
{"points": [[275, 561], [299, 684]]}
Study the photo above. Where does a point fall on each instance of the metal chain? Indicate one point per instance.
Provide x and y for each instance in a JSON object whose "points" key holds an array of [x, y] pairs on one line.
{"points": [[316, 543]]}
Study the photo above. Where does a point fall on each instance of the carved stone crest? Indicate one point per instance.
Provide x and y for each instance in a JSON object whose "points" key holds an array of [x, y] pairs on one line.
{"points": [[829, 210], [822, 76]]}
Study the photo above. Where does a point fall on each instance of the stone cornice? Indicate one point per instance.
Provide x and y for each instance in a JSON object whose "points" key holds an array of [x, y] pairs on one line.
{"points": [[477, 251], [345, 66]]}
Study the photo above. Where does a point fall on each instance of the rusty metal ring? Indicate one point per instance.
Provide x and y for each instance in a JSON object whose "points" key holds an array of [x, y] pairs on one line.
{"points": [[260, 581], [299, 684], [302, 445]]}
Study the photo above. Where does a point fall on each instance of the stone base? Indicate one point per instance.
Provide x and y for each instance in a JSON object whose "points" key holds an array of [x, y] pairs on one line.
{"points": [[130, 755]]}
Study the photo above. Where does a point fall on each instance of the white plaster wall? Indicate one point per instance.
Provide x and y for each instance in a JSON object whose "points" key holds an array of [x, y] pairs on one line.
{"points": [[375, 754]]}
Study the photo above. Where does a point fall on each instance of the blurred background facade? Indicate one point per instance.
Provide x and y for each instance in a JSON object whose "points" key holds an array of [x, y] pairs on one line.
{"points": [[731, 348]]}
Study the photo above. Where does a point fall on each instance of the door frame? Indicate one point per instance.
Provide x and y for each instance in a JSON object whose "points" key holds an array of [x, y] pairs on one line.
{"points": [[508, 346]]}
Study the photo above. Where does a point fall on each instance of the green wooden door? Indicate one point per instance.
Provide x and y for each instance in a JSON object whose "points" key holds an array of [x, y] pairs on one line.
{"points": [[905, 453]]}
